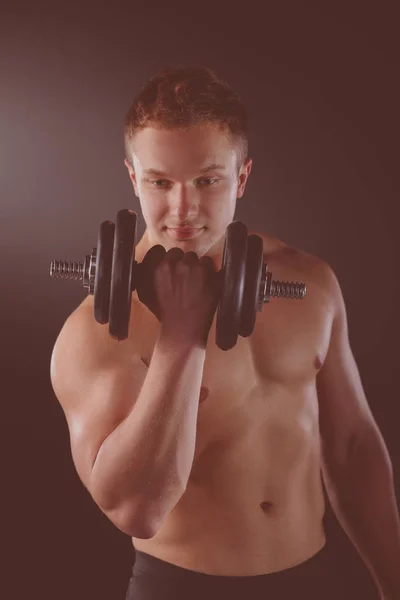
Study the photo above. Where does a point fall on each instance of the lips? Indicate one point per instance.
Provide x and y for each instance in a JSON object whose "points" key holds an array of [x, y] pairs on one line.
{"points": [[184, 232]]}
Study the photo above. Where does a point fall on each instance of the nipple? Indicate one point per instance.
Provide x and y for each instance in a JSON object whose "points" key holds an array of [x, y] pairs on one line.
{"points": [[318, 363], [204, 393]]}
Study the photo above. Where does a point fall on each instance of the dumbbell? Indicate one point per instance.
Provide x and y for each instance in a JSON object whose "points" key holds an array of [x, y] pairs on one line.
{"points": [[111, 274]]}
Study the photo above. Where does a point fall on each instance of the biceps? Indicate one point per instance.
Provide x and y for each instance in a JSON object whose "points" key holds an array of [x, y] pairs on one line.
{"points": [[107, 402]]}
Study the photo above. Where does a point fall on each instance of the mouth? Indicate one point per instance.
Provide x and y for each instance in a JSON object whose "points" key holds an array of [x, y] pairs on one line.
{"points": [[184, 233]]}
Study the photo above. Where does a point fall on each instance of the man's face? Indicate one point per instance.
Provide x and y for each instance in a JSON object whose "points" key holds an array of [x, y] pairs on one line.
{"points": [[187, 183]]}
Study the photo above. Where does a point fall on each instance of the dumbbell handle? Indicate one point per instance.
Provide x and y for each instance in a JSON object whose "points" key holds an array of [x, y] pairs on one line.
{"points": [[269, 288]]}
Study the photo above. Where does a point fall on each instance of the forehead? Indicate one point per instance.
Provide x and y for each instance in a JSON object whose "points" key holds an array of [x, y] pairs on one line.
{"points": [[193, 147]]}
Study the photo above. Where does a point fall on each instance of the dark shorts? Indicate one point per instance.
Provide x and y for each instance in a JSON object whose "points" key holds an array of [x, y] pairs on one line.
{"points": [[316, 578]]}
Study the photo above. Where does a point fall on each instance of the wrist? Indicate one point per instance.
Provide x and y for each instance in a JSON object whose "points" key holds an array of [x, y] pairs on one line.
{"points": [[179, 340]]}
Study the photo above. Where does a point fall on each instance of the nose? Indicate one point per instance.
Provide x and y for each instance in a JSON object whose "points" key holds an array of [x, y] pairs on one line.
{"points": [[184, 203]]}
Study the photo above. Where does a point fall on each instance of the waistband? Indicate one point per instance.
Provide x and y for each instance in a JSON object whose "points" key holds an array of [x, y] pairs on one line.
{"points": [[146, 564]]}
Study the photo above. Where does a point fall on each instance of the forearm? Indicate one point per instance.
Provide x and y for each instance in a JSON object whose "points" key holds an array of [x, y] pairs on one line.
{"points": [[363, 497], [143, 467]]}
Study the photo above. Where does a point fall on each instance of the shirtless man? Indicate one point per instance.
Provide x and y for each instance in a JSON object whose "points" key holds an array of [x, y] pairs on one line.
{"points": [[211, 461]]}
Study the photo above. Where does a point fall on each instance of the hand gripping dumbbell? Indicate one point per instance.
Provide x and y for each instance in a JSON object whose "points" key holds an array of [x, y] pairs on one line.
{"points": [[111, 274]]}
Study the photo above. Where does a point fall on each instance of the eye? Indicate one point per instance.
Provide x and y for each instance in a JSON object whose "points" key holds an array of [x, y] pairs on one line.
{"points": [[159, 183], [209, 181], [163, 183]]}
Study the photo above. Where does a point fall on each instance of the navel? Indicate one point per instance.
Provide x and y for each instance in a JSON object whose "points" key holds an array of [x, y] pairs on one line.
{"points": [[266, 506]]}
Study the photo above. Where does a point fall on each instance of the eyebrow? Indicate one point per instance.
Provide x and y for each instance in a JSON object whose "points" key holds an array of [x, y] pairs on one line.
{"points": [[213, 167]]}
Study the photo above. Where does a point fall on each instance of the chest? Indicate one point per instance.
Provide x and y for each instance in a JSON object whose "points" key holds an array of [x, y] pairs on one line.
{"points": [[282, 356], [287, 347]]}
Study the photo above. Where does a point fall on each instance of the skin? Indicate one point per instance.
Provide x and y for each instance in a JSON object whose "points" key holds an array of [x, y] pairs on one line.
{"points": [[292, 409], [283, 407], [184, 196]]}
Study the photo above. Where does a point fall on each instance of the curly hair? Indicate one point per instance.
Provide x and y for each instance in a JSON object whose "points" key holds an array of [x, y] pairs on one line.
{"points": [[183, 96]]}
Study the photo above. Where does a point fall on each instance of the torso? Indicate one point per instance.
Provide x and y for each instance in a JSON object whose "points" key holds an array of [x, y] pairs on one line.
{"points": [[254, 502]]}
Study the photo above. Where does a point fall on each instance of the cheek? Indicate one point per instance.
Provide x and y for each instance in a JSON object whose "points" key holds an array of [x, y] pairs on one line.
{"points": [[222, 209], [152, 208]]}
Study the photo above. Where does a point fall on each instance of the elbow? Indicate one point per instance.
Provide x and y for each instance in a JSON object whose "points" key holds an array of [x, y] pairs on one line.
{"points": [[135, 517], [131, 524], [138, 529], [125, 515]]}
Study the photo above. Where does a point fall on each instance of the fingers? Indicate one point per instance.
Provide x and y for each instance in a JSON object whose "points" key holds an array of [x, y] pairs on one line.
{"points": [[207, 262], [161, 270], [190, 258], [153, 258], [174, 255], [145, 284]]}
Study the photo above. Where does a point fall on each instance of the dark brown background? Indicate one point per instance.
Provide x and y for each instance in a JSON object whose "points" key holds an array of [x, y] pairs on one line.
{"points": [[321, 89]]}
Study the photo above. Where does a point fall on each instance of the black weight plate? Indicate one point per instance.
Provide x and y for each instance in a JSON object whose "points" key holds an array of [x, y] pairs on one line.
{"points": [[254, 264], [102, 279], [233, 274], [121, 275]]}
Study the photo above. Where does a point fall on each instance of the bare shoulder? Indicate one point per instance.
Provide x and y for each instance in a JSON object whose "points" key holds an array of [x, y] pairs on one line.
{"points": [[80, 332], [85, 345], [297, 264]]}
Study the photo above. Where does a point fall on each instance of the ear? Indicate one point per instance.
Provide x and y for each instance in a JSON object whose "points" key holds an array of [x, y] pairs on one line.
{"points": [[244, 173], [132, 177]]}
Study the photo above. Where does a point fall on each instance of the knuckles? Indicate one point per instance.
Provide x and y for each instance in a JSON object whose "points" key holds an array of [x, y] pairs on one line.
{"points": [[176, 263]]}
